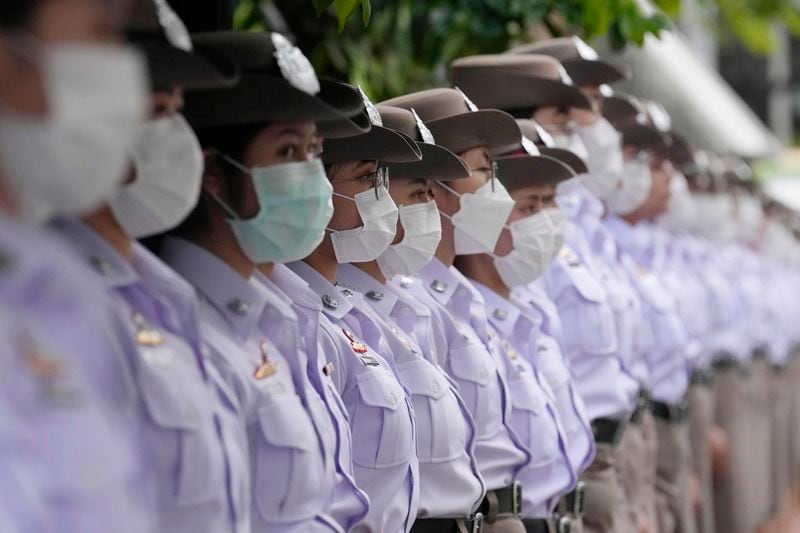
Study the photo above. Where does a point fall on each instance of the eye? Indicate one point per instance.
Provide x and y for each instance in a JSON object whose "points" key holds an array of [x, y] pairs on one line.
{"points": [[288, 151]]}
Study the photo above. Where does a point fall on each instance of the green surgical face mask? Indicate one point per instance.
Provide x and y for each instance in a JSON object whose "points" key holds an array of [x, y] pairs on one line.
{"points": [[295, 201]]}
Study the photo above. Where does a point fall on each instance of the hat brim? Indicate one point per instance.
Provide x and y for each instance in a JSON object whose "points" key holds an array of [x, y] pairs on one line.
{"points": [[516, 172], [515, 91], [492, 128], [173, 67], [678, 151], [260, 98], [571, 159], [594, 71], [337, 129], [643, 136], [617, 109], [378, 144], [438, 163]]}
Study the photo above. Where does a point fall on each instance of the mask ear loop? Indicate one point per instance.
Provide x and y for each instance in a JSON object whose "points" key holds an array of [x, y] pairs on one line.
{"points": [[238, 166], [451, 191]]}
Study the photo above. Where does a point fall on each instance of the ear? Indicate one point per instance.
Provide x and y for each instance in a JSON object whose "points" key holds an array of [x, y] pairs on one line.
{"points": [[213, 177]]}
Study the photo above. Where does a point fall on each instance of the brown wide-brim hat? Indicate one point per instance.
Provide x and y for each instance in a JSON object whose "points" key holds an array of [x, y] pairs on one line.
{"points": [[173, 67], [458, 128], [264, 94], [378, 144], [679, 151], [437, 162], [571, 159], [518, 171], [516, 82], [584, 69], [157, 31], [644, 136]]}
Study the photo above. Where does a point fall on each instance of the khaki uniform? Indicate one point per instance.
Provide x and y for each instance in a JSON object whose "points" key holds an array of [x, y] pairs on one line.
{"points": [[636, 463], [605, 497], [701, 417], [732, 503], [759, 431], [675, 513], [780, 401]]}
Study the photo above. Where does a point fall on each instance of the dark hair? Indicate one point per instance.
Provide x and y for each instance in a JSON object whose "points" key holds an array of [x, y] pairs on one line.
{"points": [[17, 13], [521, 112], [231, 141]]}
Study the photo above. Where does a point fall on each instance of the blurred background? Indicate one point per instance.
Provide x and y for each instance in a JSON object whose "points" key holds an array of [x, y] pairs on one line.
{"points": [[728, 71]]}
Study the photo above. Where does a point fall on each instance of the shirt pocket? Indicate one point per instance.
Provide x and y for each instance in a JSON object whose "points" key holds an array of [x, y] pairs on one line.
{"points": [[287, 462], [382, 430], [587, 319], [473, 368], [441, 430], [532, 419], [181, 406]]}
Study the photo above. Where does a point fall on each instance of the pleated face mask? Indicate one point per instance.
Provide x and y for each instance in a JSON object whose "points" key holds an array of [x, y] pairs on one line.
{"points": [[295, 208], [533, 250], [422, 231], [481, 218], [378, 214]]}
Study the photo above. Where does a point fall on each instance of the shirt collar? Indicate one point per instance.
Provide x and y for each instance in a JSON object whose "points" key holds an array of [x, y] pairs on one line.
{"points": [[112, 267], [295, 287], [502, 314], [336, 301], [240, 301], [439, 280], [378, 296], [621, 230]]}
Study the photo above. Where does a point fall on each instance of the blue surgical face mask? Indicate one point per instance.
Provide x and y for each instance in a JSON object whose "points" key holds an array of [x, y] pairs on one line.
{"points": [[295, 201]]}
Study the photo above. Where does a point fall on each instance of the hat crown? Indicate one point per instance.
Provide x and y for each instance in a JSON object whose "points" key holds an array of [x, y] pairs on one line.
{"points": [[433, 104], [533, 65], [155, 20], [398, 119], [267, 53]]}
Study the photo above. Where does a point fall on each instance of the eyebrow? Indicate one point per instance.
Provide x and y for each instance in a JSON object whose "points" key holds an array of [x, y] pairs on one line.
{"points": [[291, 131]]}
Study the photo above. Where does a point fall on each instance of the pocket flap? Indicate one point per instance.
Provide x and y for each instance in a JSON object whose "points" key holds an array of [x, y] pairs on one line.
{"points": [[472, 363], [285, 423], [171, 399], [526, 394], [422, 378], [379, 389]]}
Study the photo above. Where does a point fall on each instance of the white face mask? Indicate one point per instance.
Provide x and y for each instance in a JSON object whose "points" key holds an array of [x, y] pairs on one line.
{"points": [[74, 159], [366, 243], [751, 218], [422, 231], [559, 219], [681, 211], [635, 188], [481, 217], [169, 171], [571, 141], [532, 253]]}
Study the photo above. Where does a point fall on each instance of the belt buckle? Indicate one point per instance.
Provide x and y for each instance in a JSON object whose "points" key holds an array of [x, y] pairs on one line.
{"points": [[477, 523], [564, 525], [516, 499], [579, 506]]}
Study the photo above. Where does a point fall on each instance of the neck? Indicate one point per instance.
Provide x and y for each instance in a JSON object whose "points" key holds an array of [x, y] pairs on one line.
{"points": [[266, 268], [373, 270], [106, 226], [220, 241], [446, 251], [631, 218], [323, 260], [480, 267]]}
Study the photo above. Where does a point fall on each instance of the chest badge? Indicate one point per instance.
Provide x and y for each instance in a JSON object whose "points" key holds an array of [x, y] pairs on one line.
{"points": [[146, 335], [355, 344], [569, 257], [510, 350], [267, 367], [328, 369]]}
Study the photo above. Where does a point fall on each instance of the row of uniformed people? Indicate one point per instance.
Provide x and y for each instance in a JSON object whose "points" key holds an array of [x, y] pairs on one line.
{"points": [[377, 344]]}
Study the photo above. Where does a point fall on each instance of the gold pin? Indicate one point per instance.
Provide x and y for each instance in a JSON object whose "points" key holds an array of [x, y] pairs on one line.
{"points": [[145, 335], [355, 344], [267, 368]]}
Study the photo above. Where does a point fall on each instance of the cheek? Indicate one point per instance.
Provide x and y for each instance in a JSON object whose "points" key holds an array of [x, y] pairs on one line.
{"points": [[345, 214], [248, 201], [504, 244], [399, 233]]}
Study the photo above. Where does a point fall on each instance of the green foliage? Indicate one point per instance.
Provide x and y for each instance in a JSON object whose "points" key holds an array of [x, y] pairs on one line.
{"points": [[399, 46]]}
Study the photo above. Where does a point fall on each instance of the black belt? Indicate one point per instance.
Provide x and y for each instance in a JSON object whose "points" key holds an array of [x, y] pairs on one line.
{"points": [[576, 500], [642, 405], [675, 413], [509, 500], [727, 363], [703, 376], [608, 431], [448, 525], [542, 525]]}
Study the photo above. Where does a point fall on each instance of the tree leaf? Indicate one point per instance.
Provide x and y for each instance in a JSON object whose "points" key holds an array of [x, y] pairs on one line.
{"points": [[344, 8], [366, 11], [321, 5]]}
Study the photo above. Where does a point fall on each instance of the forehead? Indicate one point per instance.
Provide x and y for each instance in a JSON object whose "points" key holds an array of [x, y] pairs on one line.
{"points": [[533, 192]]}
